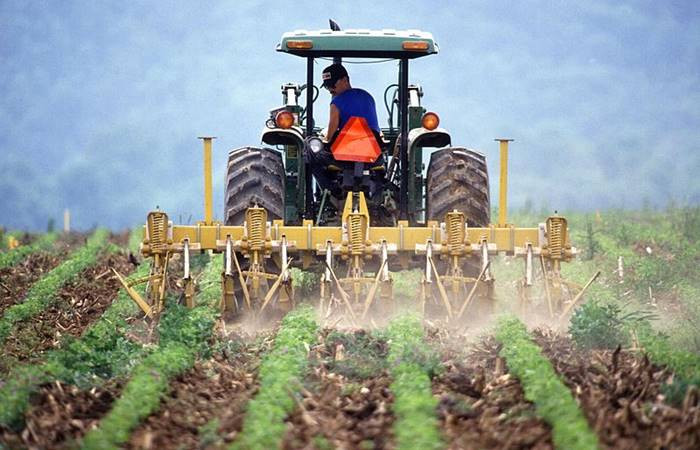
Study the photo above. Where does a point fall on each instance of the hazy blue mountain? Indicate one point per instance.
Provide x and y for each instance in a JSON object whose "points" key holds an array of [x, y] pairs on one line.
{"points": [[101, 102]]}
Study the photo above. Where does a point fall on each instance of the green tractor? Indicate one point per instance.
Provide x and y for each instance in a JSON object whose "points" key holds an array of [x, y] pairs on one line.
{"points": [[278, 177], [380, 215]]}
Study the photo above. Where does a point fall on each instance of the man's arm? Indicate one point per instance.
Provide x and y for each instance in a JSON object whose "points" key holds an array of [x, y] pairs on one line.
{"points": [[333, 122]]}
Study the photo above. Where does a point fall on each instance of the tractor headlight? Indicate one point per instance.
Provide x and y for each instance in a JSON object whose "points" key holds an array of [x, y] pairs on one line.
{"points": [[284, 119], [430, 121], [315, 144]]}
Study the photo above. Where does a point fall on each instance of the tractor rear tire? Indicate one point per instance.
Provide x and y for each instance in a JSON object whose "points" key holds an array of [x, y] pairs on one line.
{"points": [[254, 176], [458, 179]]}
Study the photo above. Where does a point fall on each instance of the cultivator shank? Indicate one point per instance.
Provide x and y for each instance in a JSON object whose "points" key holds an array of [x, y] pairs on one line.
{"points": [[561, 295], [454, 247]]}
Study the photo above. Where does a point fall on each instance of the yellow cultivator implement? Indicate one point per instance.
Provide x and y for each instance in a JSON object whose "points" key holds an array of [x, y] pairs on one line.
{"points": [[365, 254]]}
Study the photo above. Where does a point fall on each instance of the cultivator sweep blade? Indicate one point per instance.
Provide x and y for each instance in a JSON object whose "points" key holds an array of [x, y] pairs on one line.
{"points": [[356, 260]]}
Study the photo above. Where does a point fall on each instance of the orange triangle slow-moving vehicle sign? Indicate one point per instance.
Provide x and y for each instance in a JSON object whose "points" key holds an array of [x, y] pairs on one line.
{"points": [[356, 142]]}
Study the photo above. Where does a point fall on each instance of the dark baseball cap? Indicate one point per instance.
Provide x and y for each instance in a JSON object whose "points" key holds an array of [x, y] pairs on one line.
{"points": [[332, 74]]}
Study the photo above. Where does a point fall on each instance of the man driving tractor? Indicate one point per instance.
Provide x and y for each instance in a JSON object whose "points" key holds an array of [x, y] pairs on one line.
{"points": [[347, 102]]}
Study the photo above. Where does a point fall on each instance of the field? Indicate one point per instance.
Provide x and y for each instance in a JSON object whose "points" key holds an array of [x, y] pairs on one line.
{"points": [[81, 366]]}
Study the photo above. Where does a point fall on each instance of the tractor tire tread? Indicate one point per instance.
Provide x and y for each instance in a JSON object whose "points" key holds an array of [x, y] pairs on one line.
{"points": [[458, 180], [254, 176]]}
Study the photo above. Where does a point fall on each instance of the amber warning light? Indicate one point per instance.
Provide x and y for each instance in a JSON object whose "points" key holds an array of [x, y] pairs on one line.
{"points": [[284, 119], [430, 121], [303, 45], [419, 46]]}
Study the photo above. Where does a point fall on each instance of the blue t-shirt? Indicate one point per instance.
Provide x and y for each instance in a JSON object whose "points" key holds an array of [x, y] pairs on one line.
{"points": [[356, 103]]}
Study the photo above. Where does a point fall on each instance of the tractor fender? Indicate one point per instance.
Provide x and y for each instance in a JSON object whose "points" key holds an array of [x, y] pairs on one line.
{"points": [[420, 137], [283, 136]]}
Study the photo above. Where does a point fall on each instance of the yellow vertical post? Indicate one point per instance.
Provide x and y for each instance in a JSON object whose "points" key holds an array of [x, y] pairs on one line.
{"points": [[503, 182], [208, 219]]}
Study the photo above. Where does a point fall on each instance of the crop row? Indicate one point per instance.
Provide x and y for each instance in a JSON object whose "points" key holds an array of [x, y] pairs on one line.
{"points": [[12, 257], [101, 352], [660, 350], [411, 365], [280, 377], [184, 335], [45, 291], [553, 400], [685, 365]]}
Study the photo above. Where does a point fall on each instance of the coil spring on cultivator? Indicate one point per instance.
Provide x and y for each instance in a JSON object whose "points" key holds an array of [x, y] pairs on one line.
{"points": [[455, 232], [356, 233], [255, 219], [555, 233], [157, 231]]}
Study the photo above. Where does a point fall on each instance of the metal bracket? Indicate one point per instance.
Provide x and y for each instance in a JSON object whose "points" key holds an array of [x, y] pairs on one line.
{"points": [[135, 296]]}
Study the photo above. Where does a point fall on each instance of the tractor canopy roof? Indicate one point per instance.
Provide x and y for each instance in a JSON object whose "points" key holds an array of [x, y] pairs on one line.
{"points": [[407, 44]]}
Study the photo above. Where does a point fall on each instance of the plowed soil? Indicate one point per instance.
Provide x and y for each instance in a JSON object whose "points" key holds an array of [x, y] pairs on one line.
{"points": [[213, 392], [61, 413], [15, 281], [81, 303], [342, 403], [206, 406], [481, 406], [345, 400], [620, 394]]}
